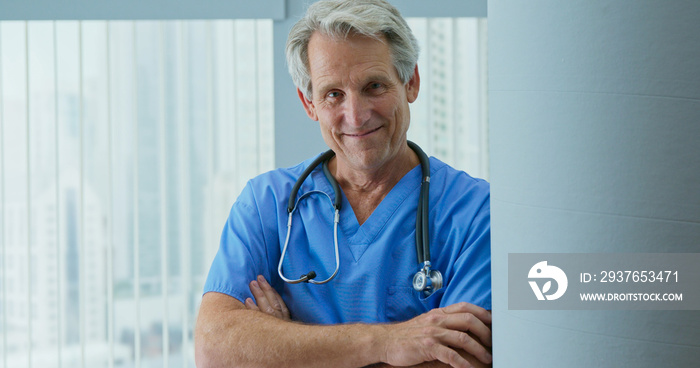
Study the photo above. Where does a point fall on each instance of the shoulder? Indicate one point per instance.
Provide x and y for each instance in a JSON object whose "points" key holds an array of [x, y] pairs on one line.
{"points": [[275, 185], [457, 197], [454, 183]]}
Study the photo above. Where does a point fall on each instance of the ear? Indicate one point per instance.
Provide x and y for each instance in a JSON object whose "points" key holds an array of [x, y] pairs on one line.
{"points": [[413, 86], [308, 105]]}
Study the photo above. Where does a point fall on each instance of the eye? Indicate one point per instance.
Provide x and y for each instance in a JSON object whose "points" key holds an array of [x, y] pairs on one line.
{"points": [[375, 88], [333, 94]]}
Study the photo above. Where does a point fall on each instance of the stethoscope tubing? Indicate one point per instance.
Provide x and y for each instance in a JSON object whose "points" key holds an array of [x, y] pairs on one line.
{"points": [[422, 214], [292, 205], [295, 189], [306, 278], [422, 222]]}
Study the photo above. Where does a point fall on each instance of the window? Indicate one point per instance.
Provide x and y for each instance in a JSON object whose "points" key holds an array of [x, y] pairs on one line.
{"points": [[123, 146], [449, 118], [133, 138]]}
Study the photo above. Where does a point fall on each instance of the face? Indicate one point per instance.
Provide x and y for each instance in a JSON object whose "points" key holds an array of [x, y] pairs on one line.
{"points": [[359, 100]]}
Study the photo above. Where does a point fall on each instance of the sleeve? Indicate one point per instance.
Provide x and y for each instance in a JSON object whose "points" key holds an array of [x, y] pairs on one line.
{"points": [[242, 251], [470, 276]]}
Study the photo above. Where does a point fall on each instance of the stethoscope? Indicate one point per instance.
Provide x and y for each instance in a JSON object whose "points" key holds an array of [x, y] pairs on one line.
{"points": [[426, 280]]}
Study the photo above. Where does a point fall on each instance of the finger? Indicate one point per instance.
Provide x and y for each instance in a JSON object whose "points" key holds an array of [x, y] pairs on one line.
{"points": [[260, 298], [250, 304], [466, 322], [450, 357], [272, 297], [464, 307], [284, 310], [467, 343], [475, 363]]}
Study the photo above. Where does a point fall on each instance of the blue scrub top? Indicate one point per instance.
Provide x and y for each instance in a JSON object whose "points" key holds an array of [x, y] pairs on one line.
{"points": [[377, 259]]}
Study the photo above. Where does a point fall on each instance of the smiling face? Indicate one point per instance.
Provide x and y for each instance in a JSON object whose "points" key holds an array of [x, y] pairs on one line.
{"points": [[359, 100]]}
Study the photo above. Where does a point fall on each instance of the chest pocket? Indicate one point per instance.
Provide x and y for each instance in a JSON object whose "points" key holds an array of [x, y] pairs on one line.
{"points": [[404, 303]]}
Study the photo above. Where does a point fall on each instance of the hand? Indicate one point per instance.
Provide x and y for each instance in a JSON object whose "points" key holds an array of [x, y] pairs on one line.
{"points": [[267, 300], [439, 335]]}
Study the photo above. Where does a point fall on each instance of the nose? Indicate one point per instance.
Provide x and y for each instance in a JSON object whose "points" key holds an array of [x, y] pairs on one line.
{"points": [[358, 109]]}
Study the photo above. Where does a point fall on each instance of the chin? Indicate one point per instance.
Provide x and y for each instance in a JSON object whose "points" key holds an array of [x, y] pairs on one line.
{"points": [[369, 160]]}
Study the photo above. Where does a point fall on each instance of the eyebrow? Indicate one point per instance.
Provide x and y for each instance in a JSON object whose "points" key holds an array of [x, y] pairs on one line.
{"points": [[377, 77]]}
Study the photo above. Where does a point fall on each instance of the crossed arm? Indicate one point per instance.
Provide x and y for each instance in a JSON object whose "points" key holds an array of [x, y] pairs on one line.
{"points": [[230, 333]]}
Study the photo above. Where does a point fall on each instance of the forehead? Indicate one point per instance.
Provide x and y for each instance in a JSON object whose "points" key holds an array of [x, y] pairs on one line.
{"points": [[331, 57]]}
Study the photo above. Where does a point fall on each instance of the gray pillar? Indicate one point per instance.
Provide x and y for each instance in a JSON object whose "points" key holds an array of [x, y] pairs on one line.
{"points": [[595, 147]]}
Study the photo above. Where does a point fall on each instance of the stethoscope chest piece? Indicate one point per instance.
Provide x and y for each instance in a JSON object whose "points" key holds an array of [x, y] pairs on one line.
{"points": [[428, 281]]}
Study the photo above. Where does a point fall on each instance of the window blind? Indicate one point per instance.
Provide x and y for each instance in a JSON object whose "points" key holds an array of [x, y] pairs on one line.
{"points": [[449, 119], [123, 145]]}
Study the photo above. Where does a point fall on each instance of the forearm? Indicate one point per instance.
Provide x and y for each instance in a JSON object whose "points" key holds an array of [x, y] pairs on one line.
{"points": [[475, 363], [228, 335], [232, 337], [433, 364]]}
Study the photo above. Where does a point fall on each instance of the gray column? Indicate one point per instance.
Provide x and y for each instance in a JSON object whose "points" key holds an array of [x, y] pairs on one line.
{"points": [[595, 147]]}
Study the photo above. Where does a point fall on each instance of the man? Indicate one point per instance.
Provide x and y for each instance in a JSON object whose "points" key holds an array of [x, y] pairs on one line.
{"points": [[354, 64]]}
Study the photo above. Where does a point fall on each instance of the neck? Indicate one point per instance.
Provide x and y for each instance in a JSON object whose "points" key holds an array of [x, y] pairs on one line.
{"points": [[365, 189]]}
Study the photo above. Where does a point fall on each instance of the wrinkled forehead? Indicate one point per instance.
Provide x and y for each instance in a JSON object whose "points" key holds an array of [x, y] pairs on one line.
{"points": [[354, 43], [348, 50]]}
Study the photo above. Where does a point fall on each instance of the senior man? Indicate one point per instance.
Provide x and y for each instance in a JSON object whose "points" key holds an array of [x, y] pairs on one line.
{"points": [[354, 65]]}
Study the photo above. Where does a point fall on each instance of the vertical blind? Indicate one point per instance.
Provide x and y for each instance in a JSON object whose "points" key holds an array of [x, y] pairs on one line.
{"points": [[123, 146], [449, 119]]}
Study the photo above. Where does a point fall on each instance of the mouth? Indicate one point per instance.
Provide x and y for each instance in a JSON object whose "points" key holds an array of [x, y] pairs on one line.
{"points": [[363, 134]]}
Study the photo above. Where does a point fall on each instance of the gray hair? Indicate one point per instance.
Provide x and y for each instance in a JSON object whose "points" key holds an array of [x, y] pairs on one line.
{"points": [[340, 18]]}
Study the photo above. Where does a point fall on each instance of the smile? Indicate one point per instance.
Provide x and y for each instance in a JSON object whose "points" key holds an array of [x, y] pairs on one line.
{"points": [[360, 135]]}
